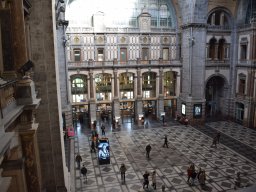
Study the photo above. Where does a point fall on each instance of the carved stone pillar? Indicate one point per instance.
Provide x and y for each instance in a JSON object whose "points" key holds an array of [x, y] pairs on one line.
{"points": [[27, 130], [216, 52], [91, 86], [19, 33], [92, 103], [30, 153], [161, 82], [115, 84], [139, 83]]}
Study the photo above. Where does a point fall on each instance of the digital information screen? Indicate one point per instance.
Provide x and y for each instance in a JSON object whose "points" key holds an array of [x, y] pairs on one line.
{"points": [[103, 151], [183, 109], [197, 110]]}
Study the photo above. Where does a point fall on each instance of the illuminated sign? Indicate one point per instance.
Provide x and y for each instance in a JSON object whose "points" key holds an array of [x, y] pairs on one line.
{"points": [[103, 151], [183, 109], [197, 110]]}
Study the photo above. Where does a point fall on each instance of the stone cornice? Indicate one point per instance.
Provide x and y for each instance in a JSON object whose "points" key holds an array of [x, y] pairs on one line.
{"points": [[193, 25]]}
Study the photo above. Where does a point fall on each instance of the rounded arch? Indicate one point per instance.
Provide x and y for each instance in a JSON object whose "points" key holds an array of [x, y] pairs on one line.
{"points": [[103, 86], [212, 43], [216, 93], [221, 48], [149, 84], [170, 81], [220, 16], [126, 85], [79, 88]]}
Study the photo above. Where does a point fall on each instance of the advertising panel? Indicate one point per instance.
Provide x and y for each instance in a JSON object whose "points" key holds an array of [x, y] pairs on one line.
{"points": [[103, 151]]}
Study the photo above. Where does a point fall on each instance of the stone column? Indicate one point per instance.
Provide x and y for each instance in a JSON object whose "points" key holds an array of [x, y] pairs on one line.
{"points": [[91, 86], [216, 52], [116, 103], [115, 84], [160, 106], [30, 152], [139, 84], [161, 81], [27, 130], [92, 102], [139, 104], [18, 34]]}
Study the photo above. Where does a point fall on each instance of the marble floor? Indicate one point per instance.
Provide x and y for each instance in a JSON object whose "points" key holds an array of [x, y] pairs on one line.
{"points": [[186, 145]]}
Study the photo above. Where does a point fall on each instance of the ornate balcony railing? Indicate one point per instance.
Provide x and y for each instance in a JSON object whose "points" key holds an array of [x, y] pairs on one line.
{"points": [[219, 28], [7, 95], [121, 64], [210, 62]]}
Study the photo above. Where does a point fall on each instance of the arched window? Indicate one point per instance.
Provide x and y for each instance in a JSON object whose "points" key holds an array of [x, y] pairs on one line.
{"points": [[241, 83], [221, 49], [212, 45], [149, 84], [239, 112], [218, 17], [170, 83], [126, 81], [103, 86], [79, 88]]}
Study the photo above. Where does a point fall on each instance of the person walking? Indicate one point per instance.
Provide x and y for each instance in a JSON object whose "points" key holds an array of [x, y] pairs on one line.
{"points": [[146, 181], [78, 160], [103, 130], [123, 170], [84, 172], [163, 188], [154, 179], [190, 172], [193, 176], [165, 141], [201, 179], [214, 142], [218, 137], [93, 149], [148, 149]]}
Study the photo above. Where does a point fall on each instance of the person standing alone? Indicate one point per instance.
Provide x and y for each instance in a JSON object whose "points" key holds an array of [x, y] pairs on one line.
{"points": [[154, 179], [78, 160], [103, 130], [148, 149], [165, 141], [123, 170]]}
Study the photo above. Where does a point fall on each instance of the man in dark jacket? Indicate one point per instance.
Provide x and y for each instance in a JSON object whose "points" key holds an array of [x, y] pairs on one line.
{"points": [[148, 149], [123, 170]]}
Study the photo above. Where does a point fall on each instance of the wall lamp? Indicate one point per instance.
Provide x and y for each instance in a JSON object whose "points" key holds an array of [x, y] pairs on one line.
{"points": [[63, 23]]}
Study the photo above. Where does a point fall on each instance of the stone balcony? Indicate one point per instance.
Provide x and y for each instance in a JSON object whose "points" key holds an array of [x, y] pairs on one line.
{"points": [[124, 64]]}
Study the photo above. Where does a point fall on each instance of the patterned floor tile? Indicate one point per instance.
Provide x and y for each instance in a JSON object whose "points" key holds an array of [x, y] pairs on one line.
{"points": [[186, 145]]}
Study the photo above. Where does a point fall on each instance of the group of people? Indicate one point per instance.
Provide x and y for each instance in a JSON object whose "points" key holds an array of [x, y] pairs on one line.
{"points": [[83, 170], [193, 175], [146, 179]]}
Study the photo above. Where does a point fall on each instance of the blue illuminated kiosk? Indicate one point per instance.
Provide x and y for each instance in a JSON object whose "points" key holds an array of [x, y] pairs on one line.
{"points": [[103, 151]]}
